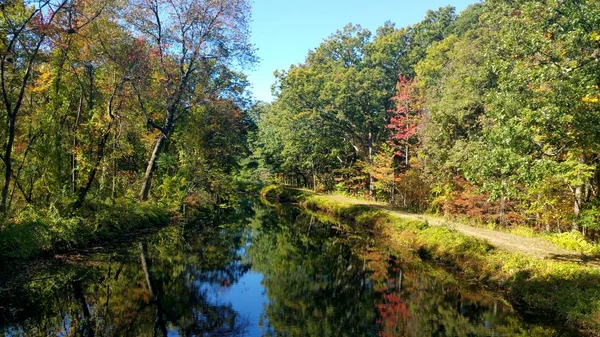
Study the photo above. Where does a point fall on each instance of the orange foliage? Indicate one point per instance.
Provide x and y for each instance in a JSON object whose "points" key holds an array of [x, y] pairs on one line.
{"points": [[466, 200]]}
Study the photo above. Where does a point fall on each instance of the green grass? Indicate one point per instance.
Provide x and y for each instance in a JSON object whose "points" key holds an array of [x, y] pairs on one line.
{"points": [[562, 290], [573, 240], [282, 194], [34, 232]]}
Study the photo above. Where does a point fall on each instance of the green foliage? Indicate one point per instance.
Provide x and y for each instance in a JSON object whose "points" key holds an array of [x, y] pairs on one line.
{"points": [[331, 111], [271, 191], [512, 109], [590, 217], [46, 231], [90, 104], [23, 240], [574, 240]]}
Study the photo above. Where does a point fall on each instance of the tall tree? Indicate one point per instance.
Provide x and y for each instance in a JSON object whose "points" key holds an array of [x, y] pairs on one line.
{"points": [[26, 28], [191, 41]]}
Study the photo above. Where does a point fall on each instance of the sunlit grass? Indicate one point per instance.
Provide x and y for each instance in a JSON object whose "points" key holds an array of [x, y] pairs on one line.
{"points": [[34, 231], [566, 291]]}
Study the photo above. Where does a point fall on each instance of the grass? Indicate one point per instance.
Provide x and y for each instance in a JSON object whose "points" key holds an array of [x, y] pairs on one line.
{"points": [[35, 232], [563, 290], [572, 240], [281, 194]]}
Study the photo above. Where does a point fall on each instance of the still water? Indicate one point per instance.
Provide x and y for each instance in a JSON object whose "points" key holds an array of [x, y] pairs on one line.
{"points": [[255, 271]]}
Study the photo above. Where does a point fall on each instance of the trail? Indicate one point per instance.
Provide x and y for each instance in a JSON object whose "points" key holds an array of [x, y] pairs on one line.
{"points": [[532, 246]]}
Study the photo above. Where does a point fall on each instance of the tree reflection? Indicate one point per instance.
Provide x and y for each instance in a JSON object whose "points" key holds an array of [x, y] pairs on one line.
{"points": [[321, 278], [159, 293], [325, 278], [316, 283]]}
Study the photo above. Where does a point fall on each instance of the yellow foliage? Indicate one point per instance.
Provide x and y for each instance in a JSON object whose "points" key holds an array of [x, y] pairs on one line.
{"points": [[44, 80], [591, 99]]}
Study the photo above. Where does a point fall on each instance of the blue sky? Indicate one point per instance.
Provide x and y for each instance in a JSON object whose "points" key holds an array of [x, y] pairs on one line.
{"points": [[284, 31]]}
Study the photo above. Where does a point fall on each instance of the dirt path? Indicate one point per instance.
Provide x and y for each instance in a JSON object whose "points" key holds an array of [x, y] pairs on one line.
{"points": [[535, 247]]}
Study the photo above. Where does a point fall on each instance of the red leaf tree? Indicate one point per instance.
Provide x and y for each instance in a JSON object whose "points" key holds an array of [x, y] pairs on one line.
{"points": [[404, 121]]}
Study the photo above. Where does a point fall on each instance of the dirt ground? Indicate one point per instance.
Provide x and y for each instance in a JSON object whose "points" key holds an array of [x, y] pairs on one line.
{"points": [[532, 246]]}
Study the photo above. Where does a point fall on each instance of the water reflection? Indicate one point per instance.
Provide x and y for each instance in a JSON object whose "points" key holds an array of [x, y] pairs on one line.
{"points": [[153, 288], [257, 271], [330, 279]]}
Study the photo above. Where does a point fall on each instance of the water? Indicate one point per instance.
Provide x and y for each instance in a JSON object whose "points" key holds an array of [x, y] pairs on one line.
{"points": [[257, 271]]}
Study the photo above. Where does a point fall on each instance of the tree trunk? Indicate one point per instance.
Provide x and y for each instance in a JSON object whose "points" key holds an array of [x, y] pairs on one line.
{"points": [[370, 158], [75, 144], [304, 180], [160, 143], [314, 176], [99, 156], [150, 168], [13, 111], [12, 118], [578, 202], [406, 159]]}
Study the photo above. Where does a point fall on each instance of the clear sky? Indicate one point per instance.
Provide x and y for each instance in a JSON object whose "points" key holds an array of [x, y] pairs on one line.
{"points": [[284, 31]]}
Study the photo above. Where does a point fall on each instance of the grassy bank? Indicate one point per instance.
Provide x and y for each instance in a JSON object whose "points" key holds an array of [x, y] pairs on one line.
{"points": [[564, 291], [36, 232], [570, 240]]}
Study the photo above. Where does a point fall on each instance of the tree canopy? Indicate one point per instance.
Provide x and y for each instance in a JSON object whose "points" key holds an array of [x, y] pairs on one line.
{"points": [[492, 112], [100, 97]]}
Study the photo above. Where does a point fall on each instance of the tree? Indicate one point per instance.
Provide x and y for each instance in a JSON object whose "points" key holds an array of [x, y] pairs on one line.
{"points": [[547, 61], [345, 87], [511, 104], [191, 43], [26, 30], [404, 120], [341, 87]]}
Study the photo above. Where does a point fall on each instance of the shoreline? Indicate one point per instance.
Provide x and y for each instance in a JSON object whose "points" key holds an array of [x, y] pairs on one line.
{"points": [[564, 291], [42, 237]]}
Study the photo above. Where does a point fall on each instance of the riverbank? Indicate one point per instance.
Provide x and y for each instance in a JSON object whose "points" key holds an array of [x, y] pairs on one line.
{"points": [[562, 290], [38, 233], [566, 246]]}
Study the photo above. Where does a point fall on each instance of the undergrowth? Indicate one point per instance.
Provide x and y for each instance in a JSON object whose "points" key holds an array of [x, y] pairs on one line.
{"points": [[33, 232]]}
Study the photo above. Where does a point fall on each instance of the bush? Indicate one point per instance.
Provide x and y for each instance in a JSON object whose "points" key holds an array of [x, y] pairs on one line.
{"points": [[24, 240], [271, 192]]}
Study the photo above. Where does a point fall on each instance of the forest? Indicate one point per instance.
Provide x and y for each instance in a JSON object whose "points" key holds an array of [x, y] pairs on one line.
{"points": [[117, 113], [360, 201], [492, 113], [143, 107]]}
